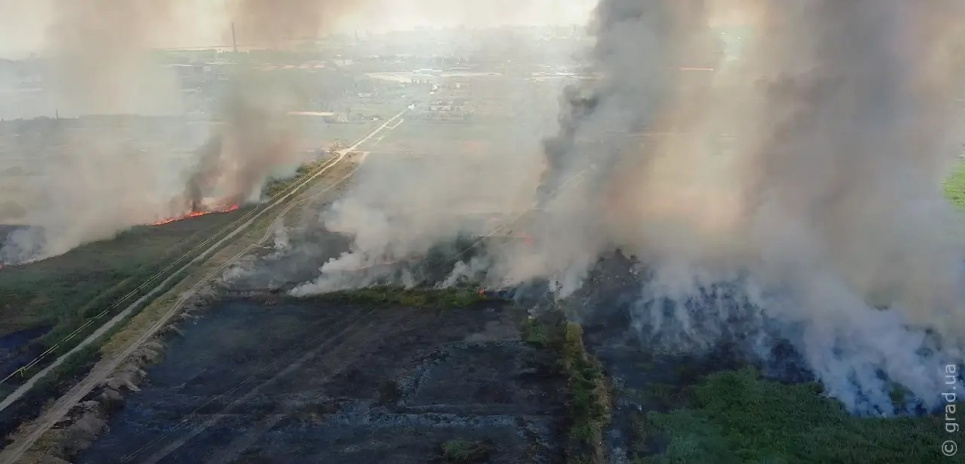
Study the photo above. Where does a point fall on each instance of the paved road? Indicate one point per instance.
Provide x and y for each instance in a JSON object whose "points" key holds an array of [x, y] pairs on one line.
{"points": [[103, 369]]}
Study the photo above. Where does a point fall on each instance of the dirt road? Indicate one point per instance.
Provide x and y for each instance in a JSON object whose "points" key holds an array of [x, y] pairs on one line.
{"points": [[103, 369]]}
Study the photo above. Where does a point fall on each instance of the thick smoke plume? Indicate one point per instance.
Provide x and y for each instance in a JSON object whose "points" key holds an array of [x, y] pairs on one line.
{"points": [[99, 177], [99, 50], [88, 183], [806, 176], [274, 21], [254, 139]]}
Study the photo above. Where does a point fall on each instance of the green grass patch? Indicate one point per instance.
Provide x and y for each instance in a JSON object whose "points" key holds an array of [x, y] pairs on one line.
{"points": [[534, 333], [738, 417], [664, 397], [955, 186], [277, 186], [589, 401], [467, 452]]}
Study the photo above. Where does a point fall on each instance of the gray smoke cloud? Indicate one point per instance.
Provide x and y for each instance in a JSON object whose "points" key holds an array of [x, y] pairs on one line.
{"points": [[253, 140], [274, 21], [81, 188], [93, 178], [256, 137], [809, 170], [99, 55], [398, 211], [90, 179]]}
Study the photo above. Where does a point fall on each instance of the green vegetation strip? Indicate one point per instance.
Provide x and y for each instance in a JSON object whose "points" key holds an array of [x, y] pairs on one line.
{"points": [[456, 297], [278, 186], [955, 187], [589, 404], [738, 417]]}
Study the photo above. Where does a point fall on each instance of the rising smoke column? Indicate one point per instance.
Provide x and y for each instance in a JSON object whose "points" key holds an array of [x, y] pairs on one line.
{"points": [[831, 199], [100, 55], [91, 187], [252, 140], [255, 136], [826, 212], [599, 120]]}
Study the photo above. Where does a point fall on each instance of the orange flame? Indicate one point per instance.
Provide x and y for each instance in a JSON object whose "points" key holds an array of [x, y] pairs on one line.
{"points": [[194, 214]]}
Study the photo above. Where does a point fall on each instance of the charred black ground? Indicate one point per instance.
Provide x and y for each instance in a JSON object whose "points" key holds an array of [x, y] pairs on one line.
{"points": [[341, 383]]}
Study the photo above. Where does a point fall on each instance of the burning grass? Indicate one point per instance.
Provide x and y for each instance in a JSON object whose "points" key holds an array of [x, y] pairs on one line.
{"points": [[194, 214], [69, 290]]}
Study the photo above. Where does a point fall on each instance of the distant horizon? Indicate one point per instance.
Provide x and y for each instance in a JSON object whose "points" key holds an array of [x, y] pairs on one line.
{"points": [[24, 27], [347, 33]]}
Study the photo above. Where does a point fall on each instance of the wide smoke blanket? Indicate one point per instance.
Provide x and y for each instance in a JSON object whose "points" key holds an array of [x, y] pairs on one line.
{"points": [[826, 217], [101, 59]]}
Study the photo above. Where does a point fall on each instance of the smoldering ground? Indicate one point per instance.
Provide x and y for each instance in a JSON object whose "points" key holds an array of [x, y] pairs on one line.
{"points": [[825, 220]]}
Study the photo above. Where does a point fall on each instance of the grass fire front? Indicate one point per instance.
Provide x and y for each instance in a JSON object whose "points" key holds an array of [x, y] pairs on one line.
{"points": [[628, 403]]}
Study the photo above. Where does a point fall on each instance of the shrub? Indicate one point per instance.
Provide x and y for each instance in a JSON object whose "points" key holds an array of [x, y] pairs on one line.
{"points": [[534, 333], [467, 452], [739, 417]]}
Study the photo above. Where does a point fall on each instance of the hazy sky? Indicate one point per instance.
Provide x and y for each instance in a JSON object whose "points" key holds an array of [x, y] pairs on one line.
{"points": [[24, 23]]}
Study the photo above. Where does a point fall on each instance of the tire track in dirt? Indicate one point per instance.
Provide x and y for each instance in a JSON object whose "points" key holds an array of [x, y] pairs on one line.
{"points": [[344, 356], [345, 326]]}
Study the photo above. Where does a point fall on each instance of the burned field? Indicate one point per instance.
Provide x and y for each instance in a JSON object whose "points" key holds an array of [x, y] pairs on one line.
{"points": [[722, 402], [343, 383], [384, 374]]}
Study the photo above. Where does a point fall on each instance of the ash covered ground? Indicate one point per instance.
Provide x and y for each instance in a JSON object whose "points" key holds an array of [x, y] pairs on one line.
{"points": [[340, 384]]}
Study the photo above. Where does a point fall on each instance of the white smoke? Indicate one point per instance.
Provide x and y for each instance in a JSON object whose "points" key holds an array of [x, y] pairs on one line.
{"points": [[101, 179], [828, 205]]}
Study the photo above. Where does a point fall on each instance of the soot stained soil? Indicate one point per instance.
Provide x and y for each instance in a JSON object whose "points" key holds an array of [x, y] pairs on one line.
{"points": [[16, 349], [340, 384]]}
